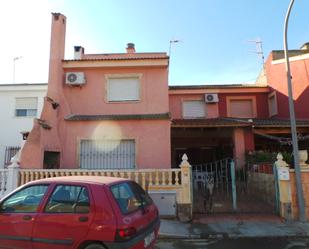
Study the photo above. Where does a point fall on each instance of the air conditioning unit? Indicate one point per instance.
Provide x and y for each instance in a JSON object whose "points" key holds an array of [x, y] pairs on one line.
{"points": [[75, 78], [211, 98]]}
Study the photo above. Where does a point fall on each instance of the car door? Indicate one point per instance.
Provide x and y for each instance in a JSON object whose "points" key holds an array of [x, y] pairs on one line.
{"points": [[65, 218], [17, 216]]}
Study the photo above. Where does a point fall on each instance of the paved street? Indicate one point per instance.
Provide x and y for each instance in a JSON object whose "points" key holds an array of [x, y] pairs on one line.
{"points": [[253, 243]]}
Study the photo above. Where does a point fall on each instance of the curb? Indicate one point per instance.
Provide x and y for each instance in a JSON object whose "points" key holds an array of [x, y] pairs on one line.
{"points": [[231, 236], [236, 236], [177, 236]]}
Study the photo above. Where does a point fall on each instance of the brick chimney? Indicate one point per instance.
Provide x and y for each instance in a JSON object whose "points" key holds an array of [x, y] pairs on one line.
{"points": [[57, 47], [78, 52], [130, 48]]}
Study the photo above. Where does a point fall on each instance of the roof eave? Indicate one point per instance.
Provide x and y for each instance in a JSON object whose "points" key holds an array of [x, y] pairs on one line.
{"points": [[115, 63]]}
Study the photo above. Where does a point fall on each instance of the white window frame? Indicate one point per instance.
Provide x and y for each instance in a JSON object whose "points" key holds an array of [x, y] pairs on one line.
{"points": [[123, 76], [27, 109], [193, 116]]}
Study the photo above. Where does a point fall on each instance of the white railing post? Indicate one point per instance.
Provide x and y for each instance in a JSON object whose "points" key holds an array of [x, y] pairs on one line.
{"points": [[13, 175], [284, 187], [13, 171], [185, 207]]}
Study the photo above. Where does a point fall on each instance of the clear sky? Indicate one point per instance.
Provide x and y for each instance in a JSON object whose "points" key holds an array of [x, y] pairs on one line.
{"points": [[214, 34]]}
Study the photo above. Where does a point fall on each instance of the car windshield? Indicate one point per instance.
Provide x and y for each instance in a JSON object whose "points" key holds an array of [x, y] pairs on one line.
{"points": [[130, 196], [26, 200]]}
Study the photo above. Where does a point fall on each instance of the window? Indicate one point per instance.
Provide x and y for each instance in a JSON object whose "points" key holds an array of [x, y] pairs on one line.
{"points": [[241, 107], [130, 197], [9, 153], [123, 89], [26, 107], [272, 104], [144, 198], [68, 199], [107, 154], [193, 109], [125, 198], [26, 200]]}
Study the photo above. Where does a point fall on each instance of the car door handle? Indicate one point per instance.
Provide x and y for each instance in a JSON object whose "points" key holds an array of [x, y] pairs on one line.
{"points": [[83, 219], [27, 217]]}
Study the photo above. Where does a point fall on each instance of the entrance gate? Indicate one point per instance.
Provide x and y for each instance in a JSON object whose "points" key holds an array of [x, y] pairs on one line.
{"points": [[218, 187]]}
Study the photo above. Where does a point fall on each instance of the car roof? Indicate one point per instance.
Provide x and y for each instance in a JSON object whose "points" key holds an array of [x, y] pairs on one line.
{"points": [[104, 180]]}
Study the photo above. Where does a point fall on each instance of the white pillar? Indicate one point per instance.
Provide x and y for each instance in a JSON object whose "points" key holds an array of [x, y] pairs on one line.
{"points": [[13, 176], [185, 207], [13, 171]]}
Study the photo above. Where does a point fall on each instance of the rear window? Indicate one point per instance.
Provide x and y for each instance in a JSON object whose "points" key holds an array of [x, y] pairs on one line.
{"points": [[140, 192], [130, 196]]}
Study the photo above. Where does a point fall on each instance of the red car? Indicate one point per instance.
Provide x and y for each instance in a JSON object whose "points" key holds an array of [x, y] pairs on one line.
{"points": [[78, 212]]}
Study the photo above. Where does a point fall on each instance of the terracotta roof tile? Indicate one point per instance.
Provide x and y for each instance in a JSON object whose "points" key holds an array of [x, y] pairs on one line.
{"points": [[122, 56], [210, 122], [279, 122], [236, 122], [216, 86]]}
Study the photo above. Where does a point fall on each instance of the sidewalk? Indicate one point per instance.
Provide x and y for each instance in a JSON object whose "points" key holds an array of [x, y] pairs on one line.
{"points": [[226, 226]]}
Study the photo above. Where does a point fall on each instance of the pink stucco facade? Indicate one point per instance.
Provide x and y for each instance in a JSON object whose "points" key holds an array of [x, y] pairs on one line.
{"points": [[153, 92], [151, 140], [155, 121], [144, 121], [176, 101]]}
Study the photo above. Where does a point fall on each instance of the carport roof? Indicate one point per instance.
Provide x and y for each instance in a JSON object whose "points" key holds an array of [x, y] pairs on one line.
{"points": [[210, 122], [237, 122], [279, 123]]}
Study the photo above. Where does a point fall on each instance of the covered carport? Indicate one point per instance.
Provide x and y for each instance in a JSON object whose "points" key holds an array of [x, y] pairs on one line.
{"points": [[207, 140]]}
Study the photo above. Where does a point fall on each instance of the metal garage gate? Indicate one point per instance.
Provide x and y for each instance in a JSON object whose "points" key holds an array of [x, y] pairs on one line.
{"points": [[219, 187], [107, 154]]}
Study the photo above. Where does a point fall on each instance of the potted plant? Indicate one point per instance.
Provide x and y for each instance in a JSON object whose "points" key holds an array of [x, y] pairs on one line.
{"points": [[261, 160]]}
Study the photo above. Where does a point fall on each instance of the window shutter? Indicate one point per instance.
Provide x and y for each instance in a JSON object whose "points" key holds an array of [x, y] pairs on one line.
{"points": [[123, 89], [241, 108], [193, 109], [272, 103], [26, 103]]}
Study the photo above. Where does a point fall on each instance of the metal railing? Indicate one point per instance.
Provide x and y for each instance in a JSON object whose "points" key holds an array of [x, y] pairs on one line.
{"points": [[10, 151]]}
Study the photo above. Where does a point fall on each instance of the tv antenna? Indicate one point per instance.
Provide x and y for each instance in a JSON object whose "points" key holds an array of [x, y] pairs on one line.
{"points": [[259, 51]]}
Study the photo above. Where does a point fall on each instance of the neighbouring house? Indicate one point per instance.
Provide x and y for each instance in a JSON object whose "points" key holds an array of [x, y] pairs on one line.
{"points": [[20, 104], [116, 111], [211, 122], [102, 111]]}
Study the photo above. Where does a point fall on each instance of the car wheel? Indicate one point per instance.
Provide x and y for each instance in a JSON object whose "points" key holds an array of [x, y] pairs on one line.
{"points": [[95, 246]]}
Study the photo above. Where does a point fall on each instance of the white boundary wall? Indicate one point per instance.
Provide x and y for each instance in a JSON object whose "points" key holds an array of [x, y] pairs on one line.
{"points": [[11, 126]]}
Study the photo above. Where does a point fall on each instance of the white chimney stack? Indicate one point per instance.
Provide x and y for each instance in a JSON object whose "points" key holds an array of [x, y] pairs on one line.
{"points": [[78, 52]]}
